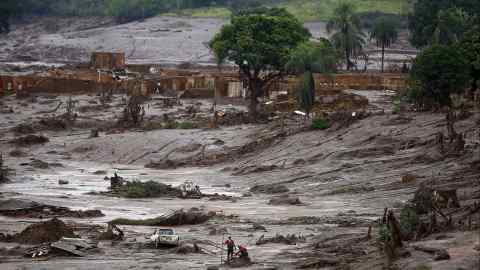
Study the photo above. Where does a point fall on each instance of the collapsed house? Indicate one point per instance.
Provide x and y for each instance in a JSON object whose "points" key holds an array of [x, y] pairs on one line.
{"points": [[110, 72]]}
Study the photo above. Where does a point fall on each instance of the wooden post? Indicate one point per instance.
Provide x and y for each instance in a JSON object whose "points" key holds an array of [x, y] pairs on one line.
{"points": [[221, 256]]}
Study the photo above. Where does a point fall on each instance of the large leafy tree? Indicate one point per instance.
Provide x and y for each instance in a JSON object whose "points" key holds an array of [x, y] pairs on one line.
{"points": [[438, 72], [308, 58], [450, 26], [348, 37], [7, 9], [259, 41], [384, 32], [470, 48], [426, 18]]}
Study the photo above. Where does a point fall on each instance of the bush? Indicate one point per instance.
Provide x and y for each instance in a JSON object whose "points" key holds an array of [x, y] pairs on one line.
{"points": [[384, 233], [438, 72], [397, 104], [320, 123], [150, 189], [186, 125], [409, 220], [171, 125]]}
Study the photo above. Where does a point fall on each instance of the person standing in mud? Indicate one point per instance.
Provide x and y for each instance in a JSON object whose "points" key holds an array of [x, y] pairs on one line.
{"points": [[230, 248]]}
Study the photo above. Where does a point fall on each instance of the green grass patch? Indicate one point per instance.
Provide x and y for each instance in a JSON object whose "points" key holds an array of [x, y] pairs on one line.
{"points": [[186, 125], [315, 10], [320, 123], [216, 12], [212, 12], [307, 10]]}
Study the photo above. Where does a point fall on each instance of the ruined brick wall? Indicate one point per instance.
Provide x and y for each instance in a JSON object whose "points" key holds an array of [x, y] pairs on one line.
{"points": [[360, 81], [107, 60]]}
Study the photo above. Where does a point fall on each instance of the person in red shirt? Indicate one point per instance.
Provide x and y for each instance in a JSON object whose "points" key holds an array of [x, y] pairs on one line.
{"points": [[230, 248], [242, 252]]}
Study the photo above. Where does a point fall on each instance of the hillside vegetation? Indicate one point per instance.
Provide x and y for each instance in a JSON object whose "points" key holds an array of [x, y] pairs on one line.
{"points": [[309, 10], [128, 10]]}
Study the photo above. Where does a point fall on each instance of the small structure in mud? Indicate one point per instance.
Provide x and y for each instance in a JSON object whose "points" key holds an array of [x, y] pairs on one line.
{"points": [[107, 60]]}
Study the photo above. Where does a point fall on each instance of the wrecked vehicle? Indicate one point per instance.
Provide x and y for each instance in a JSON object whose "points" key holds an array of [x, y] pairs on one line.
{"points": [[120, 74], [164, 237], [190, 190]]}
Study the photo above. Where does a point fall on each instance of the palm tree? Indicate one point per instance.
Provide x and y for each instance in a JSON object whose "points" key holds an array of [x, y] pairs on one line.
{"points": [[348, 36], [385, 32], [308, 58]]}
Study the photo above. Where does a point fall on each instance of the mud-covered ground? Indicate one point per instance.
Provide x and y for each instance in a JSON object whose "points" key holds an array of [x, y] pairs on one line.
{"points": [[158, 40], [343, 176]]}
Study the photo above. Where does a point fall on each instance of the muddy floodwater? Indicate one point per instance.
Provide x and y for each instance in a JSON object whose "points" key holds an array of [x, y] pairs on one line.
{"points": [[343, 179]]}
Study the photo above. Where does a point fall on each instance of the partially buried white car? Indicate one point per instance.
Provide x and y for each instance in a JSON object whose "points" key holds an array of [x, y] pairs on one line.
{"points": [[165, 237]]}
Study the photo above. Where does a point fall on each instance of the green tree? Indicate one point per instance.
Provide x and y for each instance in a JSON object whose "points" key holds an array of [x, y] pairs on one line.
{"points": [[259, 41], [450, 26], [7, 9], [348, 37], [425, 19], [385, 32], [308, 58], [438, 72], [470, 48]]}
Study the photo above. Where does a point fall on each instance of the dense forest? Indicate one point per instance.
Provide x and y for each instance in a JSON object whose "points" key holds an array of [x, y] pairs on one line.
{"points": [[123, 10]]}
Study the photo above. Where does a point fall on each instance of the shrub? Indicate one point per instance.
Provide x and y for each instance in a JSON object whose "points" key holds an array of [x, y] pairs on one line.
{"points": [[397, 104], [186, 125], [171, 125], [320, 123], [438, 72], [384, 233], [150, 189], [408, 220]]}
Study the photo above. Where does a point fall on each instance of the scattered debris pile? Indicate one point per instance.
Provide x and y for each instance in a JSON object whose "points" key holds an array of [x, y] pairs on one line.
{"points": [[134, 111], [238, 262], [439, 254], [29, 140], [30, 209], [285, 200], [186, 248], [42, 232], [63, 247], [232, 117], [344, 119], [112, 233], [289, 239], [176, 218], [334, 101], [439, 209]]}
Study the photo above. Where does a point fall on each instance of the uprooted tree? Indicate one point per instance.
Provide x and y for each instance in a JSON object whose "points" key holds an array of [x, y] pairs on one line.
{"points": [[134, 111], [259, 41], [3, 170]]}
